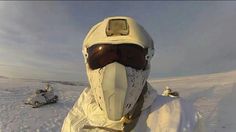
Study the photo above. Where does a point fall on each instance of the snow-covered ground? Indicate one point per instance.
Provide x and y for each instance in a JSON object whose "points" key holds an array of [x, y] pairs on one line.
{"points": [[213, 96]]}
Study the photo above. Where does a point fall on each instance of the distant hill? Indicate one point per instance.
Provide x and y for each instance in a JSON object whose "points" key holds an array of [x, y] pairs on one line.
{"points": [[229, 76], [3, 77], [68, 83]]}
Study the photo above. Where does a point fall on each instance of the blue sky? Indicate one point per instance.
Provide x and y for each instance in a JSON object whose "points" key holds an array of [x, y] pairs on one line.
{"points": [[43, 40]]}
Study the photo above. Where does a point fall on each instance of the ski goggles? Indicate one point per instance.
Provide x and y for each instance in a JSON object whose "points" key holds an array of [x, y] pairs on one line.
{"points": [[130, 55]]}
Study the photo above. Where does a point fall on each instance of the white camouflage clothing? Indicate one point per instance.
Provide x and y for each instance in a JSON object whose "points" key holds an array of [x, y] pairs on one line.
{"points": [[159, 114]]}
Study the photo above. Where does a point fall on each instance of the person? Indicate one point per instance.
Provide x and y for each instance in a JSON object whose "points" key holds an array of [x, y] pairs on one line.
{"points": [[48, 92], [117, 53], [167, 91], [48, 88]]}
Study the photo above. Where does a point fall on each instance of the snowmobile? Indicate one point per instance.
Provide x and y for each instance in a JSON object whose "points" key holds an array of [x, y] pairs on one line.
{"points": [[174, 94], [41, 97]]}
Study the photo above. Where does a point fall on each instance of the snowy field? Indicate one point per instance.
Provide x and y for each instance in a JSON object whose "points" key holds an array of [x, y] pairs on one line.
{"points": [[213, 96]]}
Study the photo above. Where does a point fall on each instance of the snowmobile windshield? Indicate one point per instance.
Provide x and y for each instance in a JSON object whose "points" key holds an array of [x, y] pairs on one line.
{"points": [[130, 55]]}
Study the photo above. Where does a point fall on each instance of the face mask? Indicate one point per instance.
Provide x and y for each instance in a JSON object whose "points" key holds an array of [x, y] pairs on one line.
{"points": [[116, 88]]}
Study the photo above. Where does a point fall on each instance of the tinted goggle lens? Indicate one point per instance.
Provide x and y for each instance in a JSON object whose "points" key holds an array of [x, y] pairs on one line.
{"points": [[130, 55]]}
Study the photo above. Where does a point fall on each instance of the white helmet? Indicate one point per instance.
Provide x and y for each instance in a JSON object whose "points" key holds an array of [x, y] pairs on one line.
{"points": [[117, 54], [167, 88]]}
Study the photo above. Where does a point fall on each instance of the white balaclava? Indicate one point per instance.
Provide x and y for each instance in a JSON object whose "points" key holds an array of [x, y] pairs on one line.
{"points": [[116, 87]]}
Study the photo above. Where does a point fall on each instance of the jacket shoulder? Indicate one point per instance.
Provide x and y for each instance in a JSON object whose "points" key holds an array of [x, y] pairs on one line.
{"points": [[171, 114], [76, 117]]}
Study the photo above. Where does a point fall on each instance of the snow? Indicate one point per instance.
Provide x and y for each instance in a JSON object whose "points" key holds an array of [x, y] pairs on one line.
{"points": [[213, 96], [15, 116]]}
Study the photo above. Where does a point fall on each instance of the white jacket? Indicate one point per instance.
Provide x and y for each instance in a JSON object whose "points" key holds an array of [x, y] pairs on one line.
{"points": [[159, 114]]}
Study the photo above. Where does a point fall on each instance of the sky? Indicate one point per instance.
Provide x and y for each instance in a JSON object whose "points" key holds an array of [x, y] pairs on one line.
{"points": [[43, 40]]}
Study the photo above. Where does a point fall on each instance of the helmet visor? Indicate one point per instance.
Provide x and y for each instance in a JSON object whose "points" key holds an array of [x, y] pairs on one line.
{"points": [[130, 55]]}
